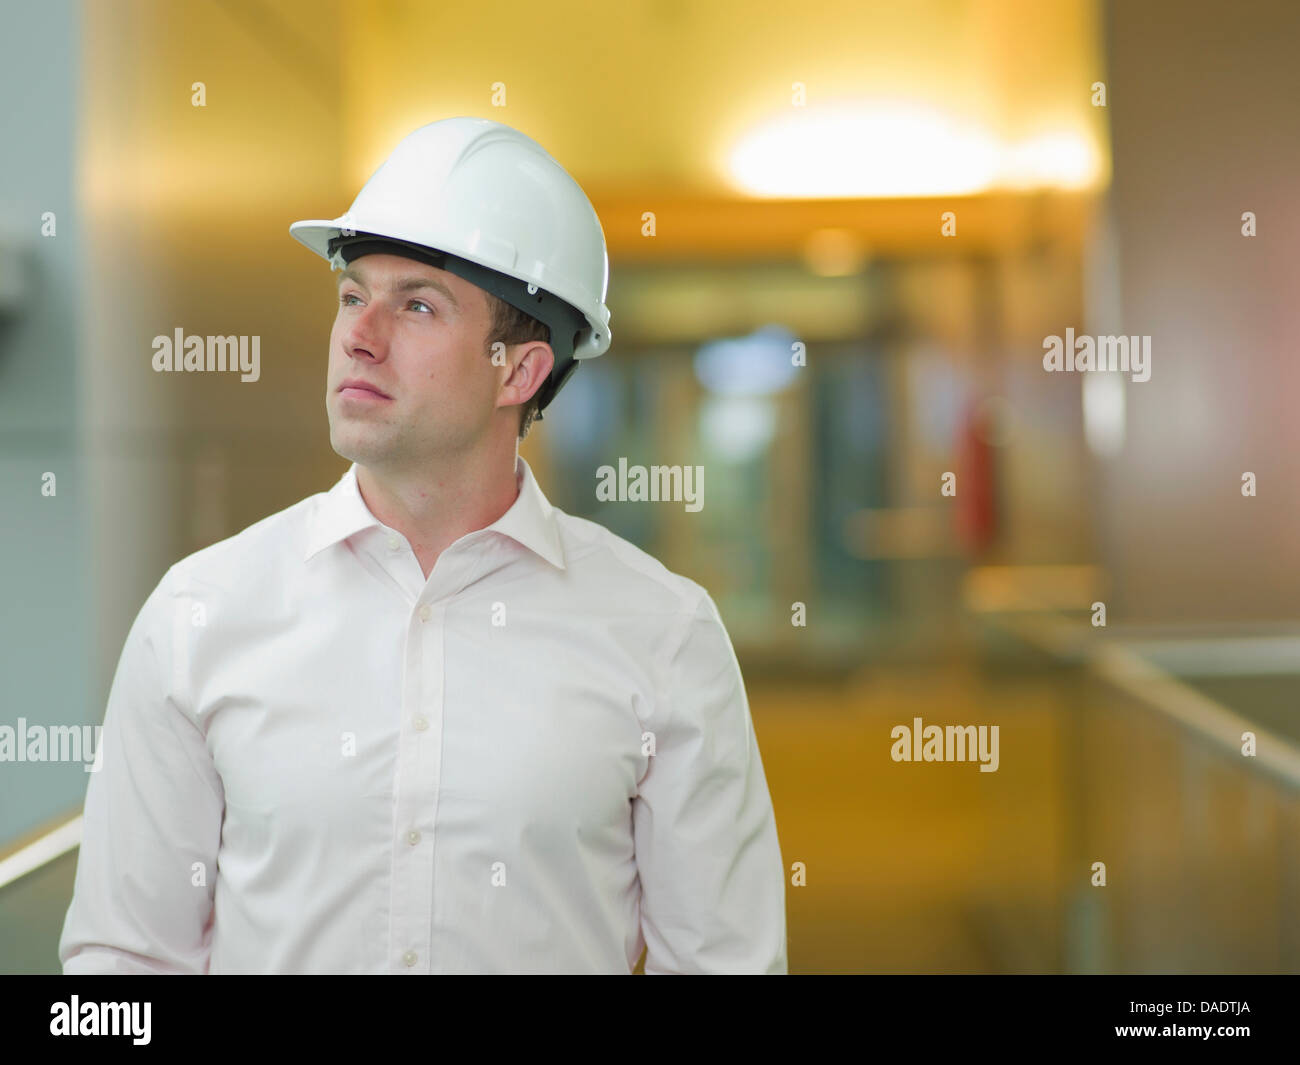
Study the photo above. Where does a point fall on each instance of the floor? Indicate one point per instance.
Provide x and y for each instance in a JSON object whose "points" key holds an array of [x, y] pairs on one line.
{"points": [[936, 867]]}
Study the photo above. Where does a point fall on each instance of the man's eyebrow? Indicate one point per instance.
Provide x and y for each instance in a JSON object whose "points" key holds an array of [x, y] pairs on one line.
{"points": [[405, 284]]}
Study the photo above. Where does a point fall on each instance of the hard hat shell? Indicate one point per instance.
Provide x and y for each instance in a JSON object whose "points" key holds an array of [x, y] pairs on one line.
{"points": [[484, 192]]}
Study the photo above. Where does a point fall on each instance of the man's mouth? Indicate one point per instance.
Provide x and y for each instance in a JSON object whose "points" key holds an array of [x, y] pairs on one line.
{"points": [[360, 390]]}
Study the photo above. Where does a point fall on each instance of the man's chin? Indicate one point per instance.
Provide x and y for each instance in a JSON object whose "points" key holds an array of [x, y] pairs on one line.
{"points": [[362, 448]]}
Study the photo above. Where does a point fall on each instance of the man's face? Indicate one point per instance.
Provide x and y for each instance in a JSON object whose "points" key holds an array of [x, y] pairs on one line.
{"points": [[418, 334]]}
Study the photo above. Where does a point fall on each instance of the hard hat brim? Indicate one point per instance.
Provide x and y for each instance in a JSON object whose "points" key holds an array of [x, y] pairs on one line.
{"points": [[315, 233]]}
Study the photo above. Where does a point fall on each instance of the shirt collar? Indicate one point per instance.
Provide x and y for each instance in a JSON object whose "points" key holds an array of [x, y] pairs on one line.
{"points": [[530, 520]]}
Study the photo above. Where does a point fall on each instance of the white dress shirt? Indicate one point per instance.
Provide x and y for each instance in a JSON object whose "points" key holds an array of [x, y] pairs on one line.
{"points": [[539, 759]]}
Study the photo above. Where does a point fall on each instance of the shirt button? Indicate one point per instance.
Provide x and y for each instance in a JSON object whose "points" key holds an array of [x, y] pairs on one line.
{"points": [[394, 544], [409, 957], [426, 612], [413, 837], [421, 723]]}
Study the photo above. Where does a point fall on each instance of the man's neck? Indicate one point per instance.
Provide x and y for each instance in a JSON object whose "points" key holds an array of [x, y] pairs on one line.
{"points": [[441, 502]]}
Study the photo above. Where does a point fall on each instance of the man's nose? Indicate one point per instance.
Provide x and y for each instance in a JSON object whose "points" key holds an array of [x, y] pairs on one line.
{"points": [[368, 331]]}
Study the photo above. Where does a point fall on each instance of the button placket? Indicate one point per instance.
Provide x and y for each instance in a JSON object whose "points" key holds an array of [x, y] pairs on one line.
{"points": [[420, 758]]}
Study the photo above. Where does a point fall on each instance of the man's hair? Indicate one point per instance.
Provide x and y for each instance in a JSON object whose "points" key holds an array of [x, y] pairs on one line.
{"points": [[510, 326]]}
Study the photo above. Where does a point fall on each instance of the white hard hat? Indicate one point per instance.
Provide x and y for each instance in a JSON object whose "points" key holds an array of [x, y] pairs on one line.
{"points": [[477, 194]]}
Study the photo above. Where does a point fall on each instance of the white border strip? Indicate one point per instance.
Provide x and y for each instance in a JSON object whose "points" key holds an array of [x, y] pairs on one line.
{"points": [[1127, 668], [39, 851], [1197, 712], [1227, 657]]}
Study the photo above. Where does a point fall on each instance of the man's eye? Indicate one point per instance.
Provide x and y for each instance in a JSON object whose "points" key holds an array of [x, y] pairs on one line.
{"points": [[343, 301]]}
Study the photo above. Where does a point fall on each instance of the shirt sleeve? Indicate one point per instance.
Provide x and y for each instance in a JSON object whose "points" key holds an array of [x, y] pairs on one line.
{"points": [[712, 877], [153, 810]]}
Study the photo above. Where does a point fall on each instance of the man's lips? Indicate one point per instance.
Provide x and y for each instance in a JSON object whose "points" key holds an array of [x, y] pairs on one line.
{"points": [[361, 390]]}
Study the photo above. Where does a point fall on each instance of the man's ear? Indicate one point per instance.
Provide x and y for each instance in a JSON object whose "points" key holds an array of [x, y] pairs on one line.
{"points": [[532, 363]]}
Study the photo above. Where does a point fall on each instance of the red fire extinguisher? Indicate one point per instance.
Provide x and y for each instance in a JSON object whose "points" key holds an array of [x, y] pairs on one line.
{"points": [[976, 502]]}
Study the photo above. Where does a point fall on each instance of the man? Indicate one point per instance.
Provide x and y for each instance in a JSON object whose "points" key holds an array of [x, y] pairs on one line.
{"points": [[425, 722]]}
